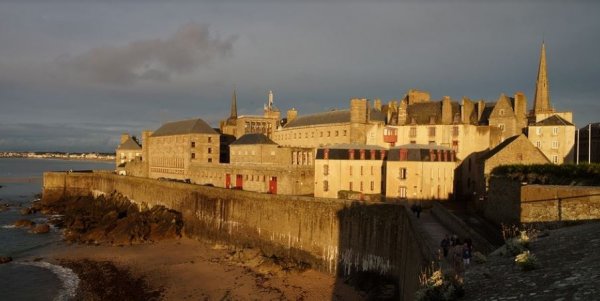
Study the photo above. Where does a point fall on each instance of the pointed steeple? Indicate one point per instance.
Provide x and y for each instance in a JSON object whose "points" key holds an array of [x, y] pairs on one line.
{"points": [[233, 114], [542, 94]]}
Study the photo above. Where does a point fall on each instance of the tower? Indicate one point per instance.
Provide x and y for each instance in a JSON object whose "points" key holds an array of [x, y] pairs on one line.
{"points": [[541, 102], [233, 114]]}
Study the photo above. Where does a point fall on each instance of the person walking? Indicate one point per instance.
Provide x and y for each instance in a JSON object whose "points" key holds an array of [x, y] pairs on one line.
{"points": [[466, 254], [445, 245]]}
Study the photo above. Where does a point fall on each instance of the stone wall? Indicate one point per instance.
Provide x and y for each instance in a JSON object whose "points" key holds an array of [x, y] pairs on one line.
{"points": [[547, 203], [336, 236], [510, 202]]}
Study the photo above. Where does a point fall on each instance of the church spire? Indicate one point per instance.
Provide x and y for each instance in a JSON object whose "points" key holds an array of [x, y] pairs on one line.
{"points": [[233, 114], [542, 94]]}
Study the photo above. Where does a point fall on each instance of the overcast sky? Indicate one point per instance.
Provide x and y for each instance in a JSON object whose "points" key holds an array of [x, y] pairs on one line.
{"points": [[75, 74]]}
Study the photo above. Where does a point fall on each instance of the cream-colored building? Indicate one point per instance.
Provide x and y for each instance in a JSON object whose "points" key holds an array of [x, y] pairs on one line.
{"points": [[555, 137], [349, 167], [128, 151], [420, 172], [349, 126], [175, 146]]}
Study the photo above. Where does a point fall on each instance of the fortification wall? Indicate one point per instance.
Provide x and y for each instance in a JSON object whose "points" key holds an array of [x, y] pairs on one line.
{"points": [[336, 236], [548, 203], [510, 202]]}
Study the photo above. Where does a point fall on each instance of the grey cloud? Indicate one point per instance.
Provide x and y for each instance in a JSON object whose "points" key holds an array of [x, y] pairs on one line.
{"points": [[191, 47]]}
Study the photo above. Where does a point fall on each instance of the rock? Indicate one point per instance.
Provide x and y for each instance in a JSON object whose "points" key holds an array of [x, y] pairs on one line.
{"points": [[5, 259], [40, 229], [26, 211], [24, 223]]}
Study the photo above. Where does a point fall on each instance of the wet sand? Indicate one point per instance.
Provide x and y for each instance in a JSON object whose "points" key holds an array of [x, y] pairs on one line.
{"points": [[186, 269]]}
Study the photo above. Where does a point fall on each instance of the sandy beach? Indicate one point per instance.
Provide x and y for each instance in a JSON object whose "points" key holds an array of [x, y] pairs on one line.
{"points": [[186, 269]]}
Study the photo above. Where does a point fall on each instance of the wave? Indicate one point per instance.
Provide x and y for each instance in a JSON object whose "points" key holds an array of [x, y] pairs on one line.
{"points": [[8, 226], [68, 278]]}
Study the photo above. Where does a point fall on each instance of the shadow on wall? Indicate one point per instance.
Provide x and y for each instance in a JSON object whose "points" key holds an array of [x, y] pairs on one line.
{"points": [[377, 252]]}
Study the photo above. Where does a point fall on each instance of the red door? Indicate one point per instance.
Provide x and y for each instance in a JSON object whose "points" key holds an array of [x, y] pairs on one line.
{"points": [[227, 180], [239, 181], [273, 185]]}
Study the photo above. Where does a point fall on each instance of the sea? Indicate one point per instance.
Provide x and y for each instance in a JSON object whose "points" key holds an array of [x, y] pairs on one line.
{"points": [[28, 276]]}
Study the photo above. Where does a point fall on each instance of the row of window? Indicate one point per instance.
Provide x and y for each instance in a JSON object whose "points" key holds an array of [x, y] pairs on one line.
{"points": [[335, 133], [431, 131], [193, 143], [209, 160], [350, 186], [555, 144], [538, 131], [350, 170]]}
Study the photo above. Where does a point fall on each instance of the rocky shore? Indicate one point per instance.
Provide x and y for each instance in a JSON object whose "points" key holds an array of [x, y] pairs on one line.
{"points": [[122, 251]]}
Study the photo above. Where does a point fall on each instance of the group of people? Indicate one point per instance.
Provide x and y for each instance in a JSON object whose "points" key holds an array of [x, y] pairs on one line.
{"points": [[460, 251]]}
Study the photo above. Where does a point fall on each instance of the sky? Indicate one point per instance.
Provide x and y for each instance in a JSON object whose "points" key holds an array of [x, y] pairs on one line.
{"points": [[74, 75]]}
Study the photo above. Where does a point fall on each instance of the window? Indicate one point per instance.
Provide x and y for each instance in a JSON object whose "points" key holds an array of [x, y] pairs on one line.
{"points": [[519, 156], [501, 113], [361, 186], [538, 131], [555, 159], [210, 150], [337, 133], [413, 142], [554, 144], [361, 170], [321, 134], [402, 174], [454, 131], [412, 132], [372, 170], [326, 169], [455, 145], [538, 144], [193, 155], [402, 192], [193, 144], [350, 170], [431, 131], [345, 132], [350, 186], [501, 126], [555, 131], [209, 160], [209, 139], [372, 185], [325, 185]]}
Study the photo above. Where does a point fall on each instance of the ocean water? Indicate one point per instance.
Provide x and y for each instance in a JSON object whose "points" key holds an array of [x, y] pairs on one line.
{"points": [[23, 278]]}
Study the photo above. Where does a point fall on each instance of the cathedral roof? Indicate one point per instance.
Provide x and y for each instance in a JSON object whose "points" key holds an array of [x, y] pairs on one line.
{"points": [[553, 120], [129, 144], [191, 126], [254, 138]]}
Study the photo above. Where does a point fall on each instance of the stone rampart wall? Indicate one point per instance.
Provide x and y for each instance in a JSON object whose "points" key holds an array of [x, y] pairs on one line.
{"points": [[336, 236], [510, 202]]}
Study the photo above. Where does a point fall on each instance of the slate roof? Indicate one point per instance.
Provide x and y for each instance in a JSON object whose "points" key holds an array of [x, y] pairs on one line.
{"points": [[341, 151], [553, 120], [421, 112], [336, 116], [416, 152], [190, 126], [253, 139], [129, 144], [487, 111], [499, 147]]}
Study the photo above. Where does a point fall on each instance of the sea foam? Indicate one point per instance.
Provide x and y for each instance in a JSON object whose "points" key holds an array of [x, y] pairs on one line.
{"points": [[68, 278]]}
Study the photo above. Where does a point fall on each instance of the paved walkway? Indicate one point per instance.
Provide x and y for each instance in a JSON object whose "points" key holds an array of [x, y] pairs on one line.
{"points": [[436, 231]]}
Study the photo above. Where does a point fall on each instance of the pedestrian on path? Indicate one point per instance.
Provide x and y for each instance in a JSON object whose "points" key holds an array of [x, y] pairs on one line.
{"points": [[466, 254], [445, 244], [418, 209]]}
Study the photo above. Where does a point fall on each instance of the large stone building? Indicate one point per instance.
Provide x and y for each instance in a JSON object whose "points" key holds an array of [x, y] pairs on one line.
{"points": [[348, 126], [349, 167], [420, 172], [474, 173]]}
